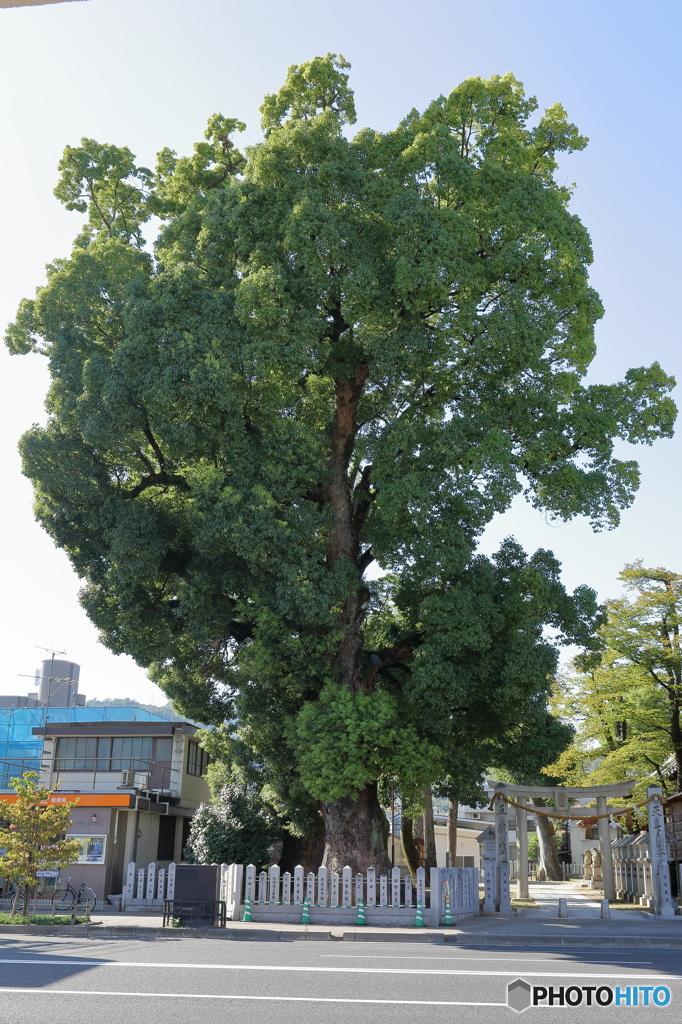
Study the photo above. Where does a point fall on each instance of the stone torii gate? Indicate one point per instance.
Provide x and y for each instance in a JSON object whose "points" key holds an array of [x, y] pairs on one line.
{"points": [[561, 796]]}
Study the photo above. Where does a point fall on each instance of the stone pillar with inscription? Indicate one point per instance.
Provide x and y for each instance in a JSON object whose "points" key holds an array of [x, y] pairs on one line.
{"points": [[395, 887], [151, 879], [129, 891], [170, 881], [371, 887], [421, 887], [322, 887], [347, 887], [502, 895], [273, 884], [658, 853], [298, 884], [249, 885]]}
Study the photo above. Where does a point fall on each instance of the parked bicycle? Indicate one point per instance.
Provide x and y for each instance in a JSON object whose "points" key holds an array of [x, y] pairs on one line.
{"points": [[68, 897], [12, 893]]}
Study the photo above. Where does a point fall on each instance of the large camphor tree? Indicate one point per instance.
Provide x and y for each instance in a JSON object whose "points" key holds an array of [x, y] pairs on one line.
{"points": [[343, 354]]}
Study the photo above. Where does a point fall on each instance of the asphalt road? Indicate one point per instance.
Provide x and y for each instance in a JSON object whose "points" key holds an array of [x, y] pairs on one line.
{"points": [[149, 981]]}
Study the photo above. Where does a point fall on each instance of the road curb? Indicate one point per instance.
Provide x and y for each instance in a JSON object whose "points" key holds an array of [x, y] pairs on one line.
{"points": [[260, 934]]}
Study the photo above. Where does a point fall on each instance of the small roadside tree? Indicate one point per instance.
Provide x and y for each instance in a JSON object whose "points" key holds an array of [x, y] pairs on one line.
{"points": [[32, 839]]}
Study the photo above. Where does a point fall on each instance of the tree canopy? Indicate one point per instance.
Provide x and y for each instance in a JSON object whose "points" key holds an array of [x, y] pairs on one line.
{"points": [[34, 838], [626, 697], [344, 352]]}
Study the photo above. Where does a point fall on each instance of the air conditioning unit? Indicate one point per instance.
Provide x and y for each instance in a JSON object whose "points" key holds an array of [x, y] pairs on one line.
{"points": [[127, 779], [143, 781], [475, 815]]}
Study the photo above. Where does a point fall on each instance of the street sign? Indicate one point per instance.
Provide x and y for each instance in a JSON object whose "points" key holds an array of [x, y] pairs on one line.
{"points": [[47, 874]]}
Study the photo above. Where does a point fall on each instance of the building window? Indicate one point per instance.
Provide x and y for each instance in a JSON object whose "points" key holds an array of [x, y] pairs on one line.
{"points": [[197, 759], [164, 750], [103, 753], [76, 754], [93, 849]]}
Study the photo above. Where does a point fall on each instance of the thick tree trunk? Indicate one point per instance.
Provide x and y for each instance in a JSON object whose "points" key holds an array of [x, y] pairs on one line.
{"points": [[306, 852], [549, 857], [453, 811], [356, 833], [410, 851], [430, 857], [419, 840]]}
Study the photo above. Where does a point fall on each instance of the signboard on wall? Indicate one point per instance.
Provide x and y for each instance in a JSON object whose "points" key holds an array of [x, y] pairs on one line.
{"points": [[93, 849]]}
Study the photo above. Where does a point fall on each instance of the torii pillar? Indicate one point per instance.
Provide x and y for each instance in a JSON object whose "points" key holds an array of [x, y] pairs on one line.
{"points": [[604, 829], [561, 795]]}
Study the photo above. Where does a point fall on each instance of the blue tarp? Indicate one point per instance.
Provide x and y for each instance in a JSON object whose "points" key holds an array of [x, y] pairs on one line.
{"points": [[21, 751]]}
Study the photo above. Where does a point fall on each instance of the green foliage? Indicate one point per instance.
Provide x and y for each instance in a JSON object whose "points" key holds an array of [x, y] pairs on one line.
{"points": [[345, 351], [236, 829], [42, 919], [349, 739], [179, 181], [627, 696], [104, 181], [534, 845], [311, 89], [31, 841]]}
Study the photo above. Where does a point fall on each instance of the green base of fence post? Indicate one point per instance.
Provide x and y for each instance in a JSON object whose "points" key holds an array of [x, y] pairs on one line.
{"points": [[305, 916], [448, 915], [419, 917], [247, 911], [361, 913]]}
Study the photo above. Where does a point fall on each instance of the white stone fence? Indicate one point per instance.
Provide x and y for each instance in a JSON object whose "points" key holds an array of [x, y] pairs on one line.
{"points": [[145, 889], [635, 878], [632, 869], [334, 897]]}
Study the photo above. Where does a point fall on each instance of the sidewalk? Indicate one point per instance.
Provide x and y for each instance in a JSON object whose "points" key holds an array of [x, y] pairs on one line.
{"points": [[540, 926]]}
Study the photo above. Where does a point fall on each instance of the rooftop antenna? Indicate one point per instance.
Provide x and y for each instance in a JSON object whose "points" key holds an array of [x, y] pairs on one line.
{"points": [[51, 678]]}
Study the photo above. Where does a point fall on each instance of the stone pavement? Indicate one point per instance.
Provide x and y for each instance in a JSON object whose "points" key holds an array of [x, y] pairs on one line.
{"points": [[582, 903], [542, 925]]}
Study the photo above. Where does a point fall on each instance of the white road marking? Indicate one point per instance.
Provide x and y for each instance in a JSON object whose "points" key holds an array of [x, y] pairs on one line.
{"points": [[478, 959], [335, 970], [269, 999]]}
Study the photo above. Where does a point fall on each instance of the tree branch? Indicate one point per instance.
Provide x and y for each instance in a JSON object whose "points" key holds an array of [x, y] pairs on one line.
{"points": [[158, 480]]}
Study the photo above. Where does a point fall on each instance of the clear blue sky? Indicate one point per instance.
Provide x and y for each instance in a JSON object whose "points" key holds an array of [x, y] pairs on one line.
{"points": [[148, 73]]}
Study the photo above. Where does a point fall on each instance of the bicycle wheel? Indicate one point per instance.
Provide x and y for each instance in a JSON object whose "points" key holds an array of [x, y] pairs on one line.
{"points": [[63, 899], [90, 895], [20, 898]]}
